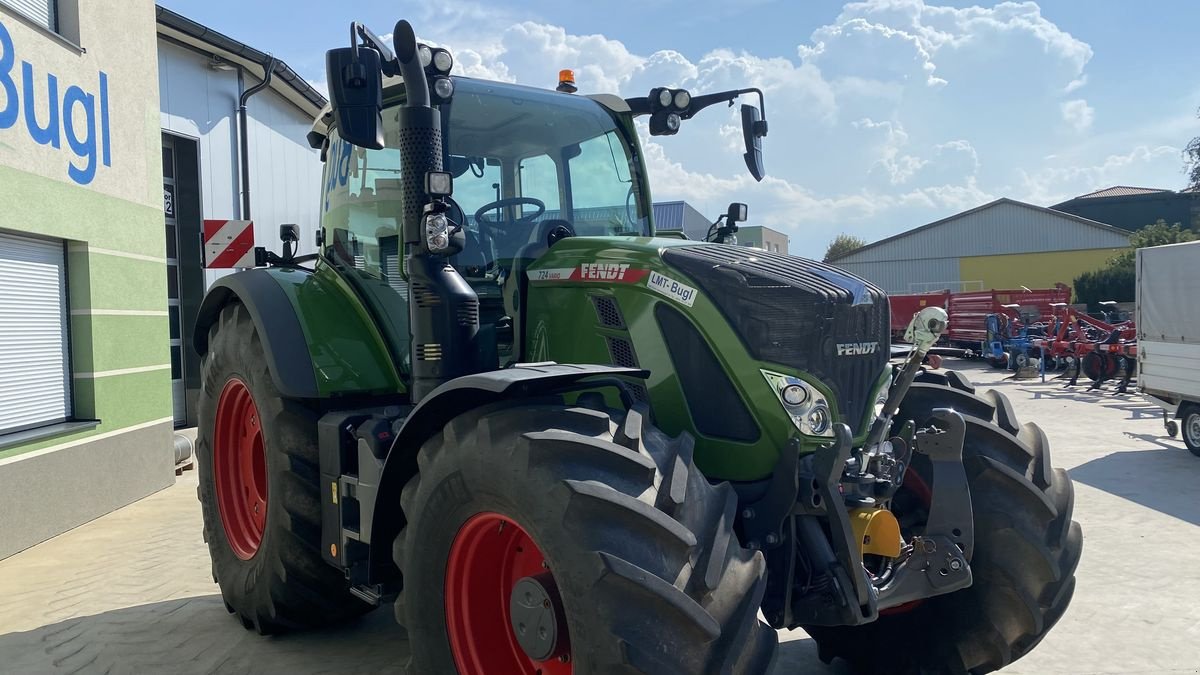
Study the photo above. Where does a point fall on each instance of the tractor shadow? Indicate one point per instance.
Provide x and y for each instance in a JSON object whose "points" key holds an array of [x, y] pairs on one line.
{"points": [[196, 635], [798, 654], [1162, 479]]}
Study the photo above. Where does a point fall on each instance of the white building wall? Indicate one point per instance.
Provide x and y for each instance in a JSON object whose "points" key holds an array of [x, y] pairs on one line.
{"points": [[285, 174], [908, 276], [1004, 227]]}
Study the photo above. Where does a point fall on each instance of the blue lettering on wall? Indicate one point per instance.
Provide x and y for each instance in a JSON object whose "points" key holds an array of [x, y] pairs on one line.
{"points": [[74, 115]]}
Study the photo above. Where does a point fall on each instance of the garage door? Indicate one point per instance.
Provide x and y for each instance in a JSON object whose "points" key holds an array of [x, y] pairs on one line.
{"points": [[35, 378]]}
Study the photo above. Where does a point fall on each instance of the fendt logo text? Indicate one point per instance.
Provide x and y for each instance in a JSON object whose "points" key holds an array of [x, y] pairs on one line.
{"points": [[857, 348], [603, 271]]}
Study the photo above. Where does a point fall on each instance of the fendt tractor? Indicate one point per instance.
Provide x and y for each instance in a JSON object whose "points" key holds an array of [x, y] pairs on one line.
{"points": [[558, 443]]}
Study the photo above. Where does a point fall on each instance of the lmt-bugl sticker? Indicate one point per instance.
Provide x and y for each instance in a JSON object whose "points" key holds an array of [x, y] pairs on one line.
{"points": [[678, 291]]}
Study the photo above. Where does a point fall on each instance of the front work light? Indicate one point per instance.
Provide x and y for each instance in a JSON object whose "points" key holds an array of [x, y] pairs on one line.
{"points": [[682, 99], [439, 183], [664, 98], [443, 88], [664, 123], [442, 61]]}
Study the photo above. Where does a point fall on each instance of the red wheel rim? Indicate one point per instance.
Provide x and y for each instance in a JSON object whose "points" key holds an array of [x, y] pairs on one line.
{"points": [[490, 553], [240, 469]]}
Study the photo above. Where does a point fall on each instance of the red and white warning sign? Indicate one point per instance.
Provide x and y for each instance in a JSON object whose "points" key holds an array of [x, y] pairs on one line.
{"points": [[228, 243]]}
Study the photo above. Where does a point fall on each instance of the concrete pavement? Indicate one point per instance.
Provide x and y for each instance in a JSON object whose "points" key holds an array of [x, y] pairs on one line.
{"points": [[132, 592]]}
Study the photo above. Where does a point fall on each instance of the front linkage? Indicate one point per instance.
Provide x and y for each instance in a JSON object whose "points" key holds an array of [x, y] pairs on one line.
{"points": [[820, 520]]}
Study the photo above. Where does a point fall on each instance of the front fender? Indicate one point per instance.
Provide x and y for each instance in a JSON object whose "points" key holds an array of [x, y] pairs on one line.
{"points": [[318, 337], [451, 400]]}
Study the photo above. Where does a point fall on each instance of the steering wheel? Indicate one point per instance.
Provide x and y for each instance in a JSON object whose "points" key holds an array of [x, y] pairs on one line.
{"points": [[483, 221]]}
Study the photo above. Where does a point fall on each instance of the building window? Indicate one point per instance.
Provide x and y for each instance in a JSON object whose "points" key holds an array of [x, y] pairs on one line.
{"points": [[42, 12], [35, 374]]}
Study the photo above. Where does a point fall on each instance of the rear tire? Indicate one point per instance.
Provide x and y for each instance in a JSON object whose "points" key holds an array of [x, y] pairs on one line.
{"points": [[639, 545], [1026, 551], [271, 573]]}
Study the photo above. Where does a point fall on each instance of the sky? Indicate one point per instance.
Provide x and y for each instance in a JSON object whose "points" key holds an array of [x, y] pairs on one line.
{"points": [[884, 114]]}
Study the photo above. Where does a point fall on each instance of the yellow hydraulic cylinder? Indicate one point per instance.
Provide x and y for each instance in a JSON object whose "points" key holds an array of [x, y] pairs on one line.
{"points": [[877, 532]]}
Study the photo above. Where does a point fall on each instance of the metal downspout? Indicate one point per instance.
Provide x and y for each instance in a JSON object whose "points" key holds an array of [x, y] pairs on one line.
{"points": [[244, 149]]}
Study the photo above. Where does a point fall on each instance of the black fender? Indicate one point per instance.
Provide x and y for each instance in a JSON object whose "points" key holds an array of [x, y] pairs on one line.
{"points": [[452, 399], [275, 319]]}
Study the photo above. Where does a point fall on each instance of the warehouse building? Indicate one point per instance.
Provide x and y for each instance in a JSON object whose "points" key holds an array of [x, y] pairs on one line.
{"points": [[681, 217], [1132, 208], [213, 170], [1002, 244], [99, 270], [763, 237]]}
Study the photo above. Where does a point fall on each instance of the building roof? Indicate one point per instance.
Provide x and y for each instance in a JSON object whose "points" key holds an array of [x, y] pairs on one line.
{"points": [[286, 82], [1120, 191], [1002, 200]]}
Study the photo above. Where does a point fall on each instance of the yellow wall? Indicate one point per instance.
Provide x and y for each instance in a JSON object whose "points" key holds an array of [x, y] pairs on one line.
{"points": [[1033, 270]]}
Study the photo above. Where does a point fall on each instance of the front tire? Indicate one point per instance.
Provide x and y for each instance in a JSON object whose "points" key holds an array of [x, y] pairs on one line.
{"points": [[257, 460], [1026, 551], [603, 522]]}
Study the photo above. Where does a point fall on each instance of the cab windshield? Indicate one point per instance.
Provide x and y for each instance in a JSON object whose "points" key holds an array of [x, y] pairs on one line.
{"points": [[525, 161]]}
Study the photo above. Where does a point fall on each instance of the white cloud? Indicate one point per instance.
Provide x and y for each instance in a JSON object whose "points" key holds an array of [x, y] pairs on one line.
{"points": [[895, 113], [1067, 178], [1078, 114]]}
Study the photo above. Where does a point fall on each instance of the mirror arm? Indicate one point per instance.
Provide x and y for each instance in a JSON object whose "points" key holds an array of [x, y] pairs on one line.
{"points": [[640, 105], [390, 66], [701, 102]]}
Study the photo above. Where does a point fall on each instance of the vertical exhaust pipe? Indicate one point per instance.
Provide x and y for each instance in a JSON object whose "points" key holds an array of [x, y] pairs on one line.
{"points": [[443, 308]]}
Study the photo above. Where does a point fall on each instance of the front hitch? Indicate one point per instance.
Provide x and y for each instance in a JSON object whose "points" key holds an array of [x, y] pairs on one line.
{"points": [[820, 578], [935, 562]]}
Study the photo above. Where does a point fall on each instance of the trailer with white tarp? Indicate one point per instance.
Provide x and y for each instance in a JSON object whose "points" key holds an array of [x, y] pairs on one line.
{"points": [[1168, 324]]}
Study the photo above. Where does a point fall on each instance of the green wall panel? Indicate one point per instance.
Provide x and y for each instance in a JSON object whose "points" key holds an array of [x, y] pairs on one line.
{"points": [[101, 343], [99, 281], [57, 209]]}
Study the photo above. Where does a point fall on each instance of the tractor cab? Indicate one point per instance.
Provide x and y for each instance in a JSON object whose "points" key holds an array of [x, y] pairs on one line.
{"points": [[565, 166]]}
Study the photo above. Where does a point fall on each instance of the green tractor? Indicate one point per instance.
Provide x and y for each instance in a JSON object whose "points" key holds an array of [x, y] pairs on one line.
{"points": [[558, 443]]}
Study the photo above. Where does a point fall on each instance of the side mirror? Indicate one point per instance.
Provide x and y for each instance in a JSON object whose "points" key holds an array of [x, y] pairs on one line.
{"points": [[356, 95], [737, 213], [753, 130]]}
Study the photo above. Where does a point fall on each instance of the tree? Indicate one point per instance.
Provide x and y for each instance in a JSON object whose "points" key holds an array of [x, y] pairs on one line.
{"points": [[843, 244], [1191, 158], [1116, 280]]}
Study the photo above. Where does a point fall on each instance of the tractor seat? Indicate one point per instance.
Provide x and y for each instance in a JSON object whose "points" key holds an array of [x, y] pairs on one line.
{"points": [[549, 233]]}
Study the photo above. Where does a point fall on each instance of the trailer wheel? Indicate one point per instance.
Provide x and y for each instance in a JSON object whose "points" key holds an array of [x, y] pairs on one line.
{"points": [[258, 488], [542, 538], [1173, 428], [1190, 418], [1026, 551]]}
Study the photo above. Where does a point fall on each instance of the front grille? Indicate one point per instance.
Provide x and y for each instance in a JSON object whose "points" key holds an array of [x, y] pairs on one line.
{"points": [[716, 407], [796, 312]]}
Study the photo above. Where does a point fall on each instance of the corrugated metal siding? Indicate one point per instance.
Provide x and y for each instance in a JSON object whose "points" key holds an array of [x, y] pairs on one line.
{"points": [[285, 173], [907, 276], [41, 11], [34, 373], [1002, 228]]}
